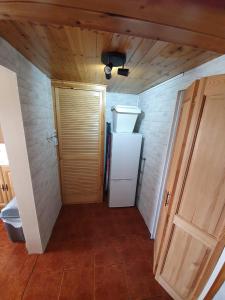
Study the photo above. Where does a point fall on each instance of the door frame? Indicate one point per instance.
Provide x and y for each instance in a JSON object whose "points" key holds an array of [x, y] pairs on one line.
{"points": [[80, 86], [166, 167], [15, 141]]}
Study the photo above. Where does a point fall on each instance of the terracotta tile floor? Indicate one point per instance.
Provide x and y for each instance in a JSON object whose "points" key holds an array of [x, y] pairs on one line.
{"points": [[94, 253]]}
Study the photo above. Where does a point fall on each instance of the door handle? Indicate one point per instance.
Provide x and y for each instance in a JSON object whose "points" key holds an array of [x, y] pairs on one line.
{"points": [[6, 187], [168, 196], [3, 187]]}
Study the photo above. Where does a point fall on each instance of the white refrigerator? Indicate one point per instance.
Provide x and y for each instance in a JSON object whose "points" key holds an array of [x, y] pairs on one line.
{"points": [[124, 164]]}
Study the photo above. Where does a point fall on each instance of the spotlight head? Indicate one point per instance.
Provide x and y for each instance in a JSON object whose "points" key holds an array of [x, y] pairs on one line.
{"points": [[108, 71], [123, 72]]}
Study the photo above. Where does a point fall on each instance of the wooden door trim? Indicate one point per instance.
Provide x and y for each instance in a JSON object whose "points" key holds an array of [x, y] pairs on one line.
{"points": [[78, 85], [101, 89], [57, 117], [191, 92], [102, 140], [169, 156], [188, 151], [197, 233]]}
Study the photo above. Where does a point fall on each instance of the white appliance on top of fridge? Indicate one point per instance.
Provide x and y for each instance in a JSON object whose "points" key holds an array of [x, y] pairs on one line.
{"points": [[124, 165]]}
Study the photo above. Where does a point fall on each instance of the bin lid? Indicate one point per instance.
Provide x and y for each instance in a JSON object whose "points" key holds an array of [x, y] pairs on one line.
{"points": [[126, 109], [10, 210]]}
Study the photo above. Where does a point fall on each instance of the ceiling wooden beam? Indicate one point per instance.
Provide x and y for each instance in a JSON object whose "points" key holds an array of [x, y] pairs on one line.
{"points": [[181, 22]]}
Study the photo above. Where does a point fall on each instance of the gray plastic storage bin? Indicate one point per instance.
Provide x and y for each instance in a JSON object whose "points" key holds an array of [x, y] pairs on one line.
{"points": [[12, 222]]}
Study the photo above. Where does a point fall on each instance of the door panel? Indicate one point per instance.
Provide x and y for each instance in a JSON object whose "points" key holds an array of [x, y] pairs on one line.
{"points": [[206, 176], [178, 150], [80, 124], [195, 234], [181, 271]]}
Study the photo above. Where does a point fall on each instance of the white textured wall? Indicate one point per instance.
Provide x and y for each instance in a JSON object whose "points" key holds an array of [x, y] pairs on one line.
{"points": [[121, 99], [36, 105], [220, 295], [158, 104]]}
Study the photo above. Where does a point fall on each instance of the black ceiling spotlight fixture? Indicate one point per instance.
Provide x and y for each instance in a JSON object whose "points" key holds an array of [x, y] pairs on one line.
{"points": [[114, 59], [123, 71], [108, 70]]}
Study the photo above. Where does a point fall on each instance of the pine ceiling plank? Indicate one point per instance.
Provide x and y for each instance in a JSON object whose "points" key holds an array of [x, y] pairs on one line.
{"points": [[89, 39], [203, 27], [142, 49], [198, 59], [119, 42], [71, 34], [9, 31], [104, 42], [133, 58], [171, 57], [72, 53], [147, 58], [59, 48], [200, 16], [29, 34], [75, 38], [103, 45]]}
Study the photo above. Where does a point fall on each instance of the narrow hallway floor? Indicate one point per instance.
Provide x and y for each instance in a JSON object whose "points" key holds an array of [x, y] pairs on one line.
{"points": [[95, 253]]}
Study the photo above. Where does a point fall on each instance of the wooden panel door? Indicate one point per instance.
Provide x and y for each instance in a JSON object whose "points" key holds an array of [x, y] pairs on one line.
{"points": [[195, 234], [7, 177], [178, 150], [80, 123]]}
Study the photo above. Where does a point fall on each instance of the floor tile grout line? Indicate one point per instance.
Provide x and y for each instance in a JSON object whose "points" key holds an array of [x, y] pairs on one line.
{"points": [[94, 279], [61, 282], [126, 281], [32, 271]]}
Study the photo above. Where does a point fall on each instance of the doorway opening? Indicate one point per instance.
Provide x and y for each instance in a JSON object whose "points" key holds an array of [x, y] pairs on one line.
{"points": [[15, 175]]}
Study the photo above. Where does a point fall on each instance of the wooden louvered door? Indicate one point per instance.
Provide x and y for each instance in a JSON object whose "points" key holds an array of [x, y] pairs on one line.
{"points": [[186, 111], [80, 124], [195, 234]]}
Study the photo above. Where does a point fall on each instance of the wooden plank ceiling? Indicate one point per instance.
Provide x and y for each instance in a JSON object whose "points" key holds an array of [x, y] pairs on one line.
{"points": [[189, 22], [74, 54], [162, 39]]}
